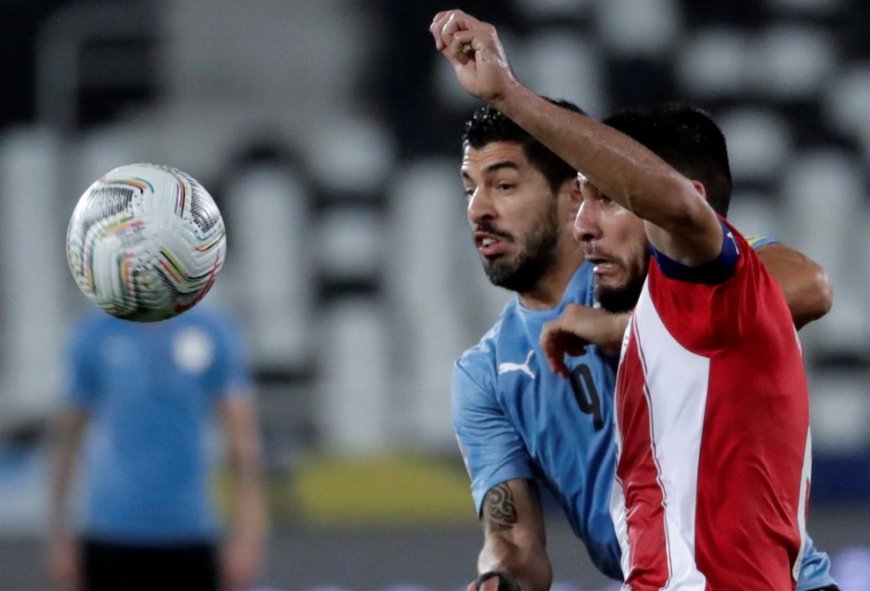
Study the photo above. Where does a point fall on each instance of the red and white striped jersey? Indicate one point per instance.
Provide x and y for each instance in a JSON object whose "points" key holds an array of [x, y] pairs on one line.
{"points": [[712, 422]]}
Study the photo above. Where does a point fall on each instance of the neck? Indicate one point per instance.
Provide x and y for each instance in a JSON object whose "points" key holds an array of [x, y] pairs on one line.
{"points": [[550, 289]]}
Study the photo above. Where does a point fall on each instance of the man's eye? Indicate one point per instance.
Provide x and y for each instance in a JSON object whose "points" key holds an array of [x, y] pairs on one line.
{"points": [[504, 187], [468, 192]]}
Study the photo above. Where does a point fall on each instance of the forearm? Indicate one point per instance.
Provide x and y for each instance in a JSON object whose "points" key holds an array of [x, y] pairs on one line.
{"points": [[244, 548], [59, 517], [245, 470], [64, 443], [613, 332], [249, 508], [250, 522], [514, 535], [527, 563], [617, 165]]}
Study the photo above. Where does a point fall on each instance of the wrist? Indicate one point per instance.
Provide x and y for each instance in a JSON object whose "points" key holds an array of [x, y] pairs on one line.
{"points": [[620, 323], [509, 101], [506, 581]]}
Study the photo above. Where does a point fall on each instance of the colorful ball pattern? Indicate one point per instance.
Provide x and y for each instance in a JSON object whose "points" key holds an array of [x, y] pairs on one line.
{"points": [[145, 242]]}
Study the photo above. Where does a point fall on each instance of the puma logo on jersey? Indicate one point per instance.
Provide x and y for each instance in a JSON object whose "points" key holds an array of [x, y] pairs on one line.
{"points": [[523, 367]]}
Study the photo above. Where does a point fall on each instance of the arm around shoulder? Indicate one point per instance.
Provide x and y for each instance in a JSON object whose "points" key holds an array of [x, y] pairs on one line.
{"points": [[804, 283]]}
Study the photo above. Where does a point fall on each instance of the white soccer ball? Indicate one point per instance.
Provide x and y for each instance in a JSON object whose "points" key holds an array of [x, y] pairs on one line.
{"points": [[145, 242]]}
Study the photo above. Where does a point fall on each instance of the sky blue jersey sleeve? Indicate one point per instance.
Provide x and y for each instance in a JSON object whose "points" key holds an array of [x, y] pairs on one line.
{"points": [[815, 568], [491, 447]]}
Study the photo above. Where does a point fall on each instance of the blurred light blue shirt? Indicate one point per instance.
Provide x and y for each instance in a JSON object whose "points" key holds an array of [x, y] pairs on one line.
{"points": [[151, 391]]}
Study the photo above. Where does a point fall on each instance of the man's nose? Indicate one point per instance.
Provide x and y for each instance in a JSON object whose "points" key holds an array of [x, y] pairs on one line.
{"points": [[587, 223], [586, 227], [480, 207]]}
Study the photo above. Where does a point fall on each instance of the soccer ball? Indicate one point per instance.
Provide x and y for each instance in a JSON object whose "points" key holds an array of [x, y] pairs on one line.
{"points": [[145, 242]]}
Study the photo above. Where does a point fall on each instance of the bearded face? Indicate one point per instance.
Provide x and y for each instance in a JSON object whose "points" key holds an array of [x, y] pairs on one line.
{"points": [[531, 254], [622, 298], [614, 242], [514, 214]]}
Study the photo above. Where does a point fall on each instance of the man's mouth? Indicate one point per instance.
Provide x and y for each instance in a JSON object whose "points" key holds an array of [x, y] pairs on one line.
{"points": [[602, 265], [489, 245]]}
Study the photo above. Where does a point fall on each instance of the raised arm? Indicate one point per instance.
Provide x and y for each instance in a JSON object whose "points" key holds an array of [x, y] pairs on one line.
{"points": [[681, 224], [514, 548]]}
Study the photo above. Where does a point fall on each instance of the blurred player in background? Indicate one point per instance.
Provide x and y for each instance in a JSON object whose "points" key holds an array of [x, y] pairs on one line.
{"points": [[147, 395], [519, 425]]}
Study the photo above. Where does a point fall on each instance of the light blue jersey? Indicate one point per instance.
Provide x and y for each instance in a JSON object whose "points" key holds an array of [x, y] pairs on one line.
{"points": [[151, 391], [514, 418]]}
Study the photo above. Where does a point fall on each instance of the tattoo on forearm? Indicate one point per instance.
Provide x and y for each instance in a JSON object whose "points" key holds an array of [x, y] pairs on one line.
{"points": [[500, 511]]}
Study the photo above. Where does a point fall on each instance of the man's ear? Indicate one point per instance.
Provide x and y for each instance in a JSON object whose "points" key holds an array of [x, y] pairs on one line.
{"points": [[699, 187], [572, 188]]}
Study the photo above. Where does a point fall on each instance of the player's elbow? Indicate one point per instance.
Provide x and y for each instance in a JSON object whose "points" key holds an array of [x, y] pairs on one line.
{"points": [[824, 293], [682, 208], [816, 298]]}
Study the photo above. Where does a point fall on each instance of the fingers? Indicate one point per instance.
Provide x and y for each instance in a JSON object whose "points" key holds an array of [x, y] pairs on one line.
{"points": [[437, 28], [453, 31], [550, 353], [559, 339], [473, 49], [447, 23], [461, 47], [554, 346]]}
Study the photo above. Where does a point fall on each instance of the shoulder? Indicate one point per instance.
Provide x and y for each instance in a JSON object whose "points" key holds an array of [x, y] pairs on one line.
{"points": [[704, 315], [747, 247], [478, 363], [480, 359], [734, 234]]}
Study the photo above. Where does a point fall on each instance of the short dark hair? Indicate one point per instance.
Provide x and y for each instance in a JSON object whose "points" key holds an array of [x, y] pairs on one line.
{"points": [[687, 138], [488, 125]]}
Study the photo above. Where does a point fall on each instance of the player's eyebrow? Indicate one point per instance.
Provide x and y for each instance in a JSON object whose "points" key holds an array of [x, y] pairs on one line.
{"points": [[494, 167]]}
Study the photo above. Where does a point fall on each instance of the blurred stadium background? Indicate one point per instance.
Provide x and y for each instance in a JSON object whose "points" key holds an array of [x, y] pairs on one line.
{"points": [[328, 133]]}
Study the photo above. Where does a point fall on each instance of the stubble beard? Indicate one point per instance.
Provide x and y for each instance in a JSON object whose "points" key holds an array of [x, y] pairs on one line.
{"points": [[619, 299], [623, 298], [523, 273]]}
